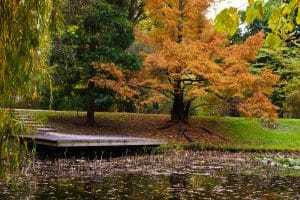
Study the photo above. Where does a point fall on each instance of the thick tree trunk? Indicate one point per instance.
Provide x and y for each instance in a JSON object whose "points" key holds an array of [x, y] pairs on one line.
{"points": [[90, 117], [177, 112], [180, 109]]}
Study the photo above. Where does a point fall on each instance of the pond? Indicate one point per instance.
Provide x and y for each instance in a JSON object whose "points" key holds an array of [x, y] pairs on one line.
{"points": [[206, 176]]}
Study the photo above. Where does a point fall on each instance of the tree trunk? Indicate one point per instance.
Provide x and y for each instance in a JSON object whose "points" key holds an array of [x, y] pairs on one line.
{"points": [[177, 112], [90, 117], [180, 109], [136, 11], [180, 21]]}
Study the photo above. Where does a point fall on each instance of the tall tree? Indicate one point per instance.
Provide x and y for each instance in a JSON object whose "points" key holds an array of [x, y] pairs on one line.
{"points": [[190, 60], [100, 35]]}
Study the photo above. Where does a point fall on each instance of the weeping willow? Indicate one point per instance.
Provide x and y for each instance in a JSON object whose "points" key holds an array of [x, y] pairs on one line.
{"points": [[24, 43]]}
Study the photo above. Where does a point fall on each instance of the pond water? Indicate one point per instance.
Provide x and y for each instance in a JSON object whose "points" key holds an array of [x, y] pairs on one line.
{"points": [[200, 181]]}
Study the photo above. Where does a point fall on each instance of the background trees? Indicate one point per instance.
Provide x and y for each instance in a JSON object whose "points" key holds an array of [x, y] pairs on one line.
{"points": [[166, 29], [282, 60]]}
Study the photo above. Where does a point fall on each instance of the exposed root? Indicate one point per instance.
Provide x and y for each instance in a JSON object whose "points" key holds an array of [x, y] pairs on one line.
{"points": [[186, 135], [211, 133], [182, 129], [185, 128], [206, 130], [169, 124], [220, 136]]}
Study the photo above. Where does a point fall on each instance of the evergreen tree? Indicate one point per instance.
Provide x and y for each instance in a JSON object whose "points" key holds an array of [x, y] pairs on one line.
{"points": [[101, 34]]}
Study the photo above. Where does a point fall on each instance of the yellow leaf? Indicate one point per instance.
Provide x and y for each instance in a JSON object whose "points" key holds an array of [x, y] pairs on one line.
{"points": [[260, 9], [252, 14], [298, 16], [227, 21], [290, 27], [286, 10], [273, 40]]}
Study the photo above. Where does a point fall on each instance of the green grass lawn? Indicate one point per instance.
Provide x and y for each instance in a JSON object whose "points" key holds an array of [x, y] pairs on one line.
{"points": [[243, 134], [249, 134]]}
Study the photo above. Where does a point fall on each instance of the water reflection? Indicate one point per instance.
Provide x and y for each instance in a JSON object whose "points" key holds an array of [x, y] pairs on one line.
{"points": [[178, 184], [175, 186]]}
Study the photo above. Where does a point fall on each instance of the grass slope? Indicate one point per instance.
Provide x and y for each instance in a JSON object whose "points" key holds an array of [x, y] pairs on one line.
{"points": [[242, 134], [250, 134]]}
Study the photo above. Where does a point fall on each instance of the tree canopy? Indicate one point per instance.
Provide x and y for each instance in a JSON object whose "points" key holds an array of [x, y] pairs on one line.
{"points": [[189, 60], [101, 35]]}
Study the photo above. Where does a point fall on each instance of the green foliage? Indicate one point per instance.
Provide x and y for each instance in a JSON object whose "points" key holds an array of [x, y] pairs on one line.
{"points": [[282, 19], [273, 40], [285, 62], [21, 48], [11, 151], [281, 22], [96, 32], [291, 104], [227, 21], [252, 14], [24, 39], [279, 54]]}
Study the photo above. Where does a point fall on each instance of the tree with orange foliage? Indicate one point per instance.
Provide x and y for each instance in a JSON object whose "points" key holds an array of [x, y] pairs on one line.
{"points": [[189, 59], [111, 77]]}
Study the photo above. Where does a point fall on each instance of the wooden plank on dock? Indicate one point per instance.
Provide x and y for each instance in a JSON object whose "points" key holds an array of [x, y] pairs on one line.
{"points": [[68, 140]]}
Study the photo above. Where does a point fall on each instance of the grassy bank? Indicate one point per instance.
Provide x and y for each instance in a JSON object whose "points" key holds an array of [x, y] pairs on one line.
{"points": [[250, 134], [240, 133]]}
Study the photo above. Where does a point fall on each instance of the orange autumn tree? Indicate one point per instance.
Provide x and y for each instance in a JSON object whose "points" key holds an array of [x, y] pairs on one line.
{"points": [[189, 59], [111, 77]]}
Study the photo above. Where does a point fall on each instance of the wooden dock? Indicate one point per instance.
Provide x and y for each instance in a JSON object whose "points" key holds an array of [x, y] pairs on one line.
{"points": [[49, 136], [55, 139]]}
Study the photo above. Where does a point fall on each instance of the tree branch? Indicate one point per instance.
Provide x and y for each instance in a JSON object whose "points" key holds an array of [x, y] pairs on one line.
{"points": [[155, 88], [136, 10], [216, 94], [165, 93]]}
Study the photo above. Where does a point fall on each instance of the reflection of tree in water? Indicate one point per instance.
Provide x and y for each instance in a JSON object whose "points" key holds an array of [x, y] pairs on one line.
{"points": [[178, 186]]}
